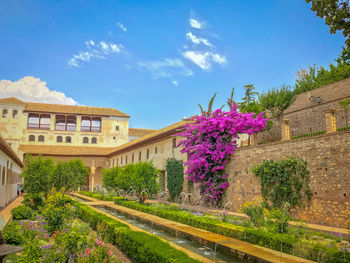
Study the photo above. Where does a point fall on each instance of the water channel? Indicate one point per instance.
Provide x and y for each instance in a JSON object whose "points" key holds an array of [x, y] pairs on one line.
{"points": [[211, 252]]}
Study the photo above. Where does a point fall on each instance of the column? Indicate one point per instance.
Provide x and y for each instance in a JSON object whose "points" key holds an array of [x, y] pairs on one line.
{"points": [[93, 170], [285, 130], [78, 122], [329, 116], [52, 122], [254, 139]]}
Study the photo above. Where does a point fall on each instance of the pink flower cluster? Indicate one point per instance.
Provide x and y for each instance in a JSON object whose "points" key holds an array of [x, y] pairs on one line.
{"points": [[210, 140]]}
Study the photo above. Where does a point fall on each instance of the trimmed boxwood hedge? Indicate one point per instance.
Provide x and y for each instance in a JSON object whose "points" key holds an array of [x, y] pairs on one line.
{"points": [[291, 245], [140, 246], [98, 196]]}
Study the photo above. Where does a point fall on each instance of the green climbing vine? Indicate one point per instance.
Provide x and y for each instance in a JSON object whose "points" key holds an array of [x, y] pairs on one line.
{"points": [[175, 177], [285, 181]]}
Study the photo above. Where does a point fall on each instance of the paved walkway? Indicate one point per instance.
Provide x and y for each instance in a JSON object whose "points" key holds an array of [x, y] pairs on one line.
{"points": [[5, 214], [258, 252]]}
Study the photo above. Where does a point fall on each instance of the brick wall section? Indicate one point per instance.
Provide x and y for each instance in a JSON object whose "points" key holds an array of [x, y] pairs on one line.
{"points": [[328, 158]]}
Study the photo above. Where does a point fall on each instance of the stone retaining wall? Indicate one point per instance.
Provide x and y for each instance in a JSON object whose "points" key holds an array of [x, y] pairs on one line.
{"points": [[328, 158]]}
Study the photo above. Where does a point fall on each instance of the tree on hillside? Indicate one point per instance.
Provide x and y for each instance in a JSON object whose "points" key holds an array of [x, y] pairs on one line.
{"points": [[37, 175], [336, 14], [277, 100]]}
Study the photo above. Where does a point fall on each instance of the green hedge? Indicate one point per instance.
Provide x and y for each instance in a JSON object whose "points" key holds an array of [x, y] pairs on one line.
{"points": [[290, 244], [308, 135], [22, 212], [98, 196], [148, 249], [140, 246]]}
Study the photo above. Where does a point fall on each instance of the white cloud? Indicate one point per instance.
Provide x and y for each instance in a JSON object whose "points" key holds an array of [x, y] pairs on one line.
{"points": [[174, 82], [166, 68], [204, 59], [195, 23], [32, 89], [122, 27], [198, 40], [94, 50]]}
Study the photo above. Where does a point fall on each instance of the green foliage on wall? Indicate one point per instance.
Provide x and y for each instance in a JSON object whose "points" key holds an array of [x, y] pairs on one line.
{"points": [[285, 181], [175, 177]]}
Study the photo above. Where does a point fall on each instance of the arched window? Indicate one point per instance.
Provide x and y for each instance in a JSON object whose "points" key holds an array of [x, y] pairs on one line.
{"points": [[85, 140], [41, 138], [94, 140], [14, 114], [59, 139], [117, 128], [31, 138], [68, 139], [4, 113]]}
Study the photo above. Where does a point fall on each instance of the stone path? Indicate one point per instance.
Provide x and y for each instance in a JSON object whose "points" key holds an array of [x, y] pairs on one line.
{"points": [[258, 252], [5, 214]]}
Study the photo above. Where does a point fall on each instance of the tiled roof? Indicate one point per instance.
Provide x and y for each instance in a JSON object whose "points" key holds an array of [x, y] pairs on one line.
{"points": [[64, 150], [149, 138], [67, 109], [140, 132], [12, 100], [6, 148]]}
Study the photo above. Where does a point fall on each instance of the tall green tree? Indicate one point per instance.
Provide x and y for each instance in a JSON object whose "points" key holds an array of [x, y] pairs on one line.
{"points": [[175, 177], [69, 175], [336, 14], [37, 174], [250, 94], [109, 177], [140, 178], [277, 100]]}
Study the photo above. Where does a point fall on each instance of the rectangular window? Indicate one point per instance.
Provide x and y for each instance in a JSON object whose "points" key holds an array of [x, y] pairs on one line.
{"points": [[60, 123], [155, 150], [126, 159], [147, 154], [45, 121], [174, 142], [132, 158], [92, 124], [33, 121], [71, 123], [140, 156]]}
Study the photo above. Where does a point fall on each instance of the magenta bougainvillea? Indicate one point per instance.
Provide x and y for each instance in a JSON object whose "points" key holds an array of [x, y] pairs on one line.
{"points": [[210, 140]]}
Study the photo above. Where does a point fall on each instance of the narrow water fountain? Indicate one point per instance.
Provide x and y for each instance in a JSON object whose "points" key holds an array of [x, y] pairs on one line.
{"points": [[210, 251]]}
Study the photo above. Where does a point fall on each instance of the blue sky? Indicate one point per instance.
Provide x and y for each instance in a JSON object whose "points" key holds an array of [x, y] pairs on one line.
{"points": [[156, 60]]}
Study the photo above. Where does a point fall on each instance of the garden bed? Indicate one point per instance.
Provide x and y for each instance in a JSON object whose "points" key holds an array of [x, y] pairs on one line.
{"points": [[299, 241]]}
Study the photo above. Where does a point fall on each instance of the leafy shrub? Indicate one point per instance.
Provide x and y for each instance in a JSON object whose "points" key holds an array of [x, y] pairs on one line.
{"points": [[255, 210], [22, 212], [175, 177], [13, 233], [57, 210], [37, 198], [99, 196], [277, 220], [285, 181], [308, 135]]}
